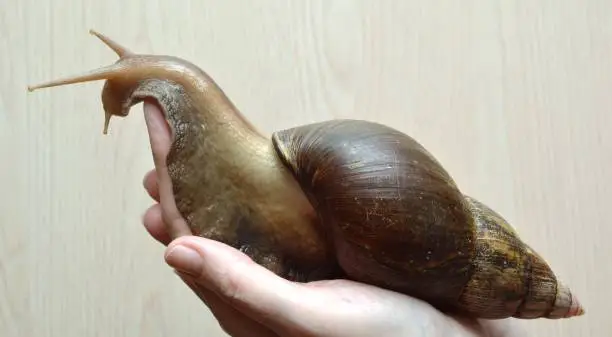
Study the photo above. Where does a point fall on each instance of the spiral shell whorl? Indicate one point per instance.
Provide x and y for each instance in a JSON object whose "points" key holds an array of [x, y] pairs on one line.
{"points": [[396, 219], [392, 213], [510, 278]]}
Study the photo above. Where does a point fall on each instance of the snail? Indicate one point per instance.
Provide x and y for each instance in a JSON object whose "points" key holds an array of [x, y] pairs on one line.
{"points": [[341, 198]]}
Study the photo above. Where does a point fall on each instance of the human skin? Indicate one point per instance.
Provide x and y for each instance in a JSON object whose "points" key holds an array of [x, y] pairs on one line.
{"points": [[249, 300]]}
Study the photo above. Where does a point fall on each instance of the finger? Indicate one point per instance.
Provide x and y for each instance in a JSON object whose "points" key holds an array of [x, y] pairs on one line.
{"points": [[154, 224], [150, 184], [159, 133], [232, 321], [160, 139], [240, 282]]}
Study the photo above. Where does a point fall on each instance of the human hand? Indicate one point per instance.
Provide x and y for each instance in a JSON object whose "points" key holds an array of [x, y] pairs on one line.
{"points": [[249, 300]]}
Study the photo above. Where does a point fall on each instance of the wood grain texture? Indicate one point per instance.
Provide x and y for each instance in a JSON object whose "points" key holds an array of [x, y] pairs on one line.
{"points": [[512, 97]]}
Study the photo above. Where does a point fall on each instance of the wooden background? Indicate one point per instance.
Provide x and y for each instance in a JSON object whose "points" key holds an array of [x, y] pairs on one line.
{"points": [[513, 97]]}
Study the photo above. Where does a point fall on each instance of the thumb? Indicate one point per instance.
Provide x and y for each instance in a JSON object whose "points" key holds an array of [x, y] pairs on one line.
{"points": [[235, 278]]}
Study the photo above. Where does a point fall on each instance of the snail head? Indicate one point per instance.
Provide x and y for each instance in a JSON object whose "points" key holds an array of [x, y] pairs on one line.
{"points": [[124, 76]]}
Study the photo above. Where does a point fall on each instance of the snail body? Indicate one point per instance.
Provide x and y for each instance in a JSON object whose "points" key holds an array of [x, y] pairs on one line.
{"points": [[341, 198]]}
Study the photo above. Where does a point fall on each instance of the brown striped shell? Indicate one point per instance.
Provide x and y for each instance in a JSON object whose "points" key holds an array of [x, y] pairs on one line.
{"points": [[399, 221]]}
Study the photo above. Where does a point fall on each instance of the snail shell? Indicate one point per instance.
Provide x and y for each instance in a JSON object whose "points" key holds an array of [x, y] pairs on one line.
{"points": [[342, 198], [399, 221]]}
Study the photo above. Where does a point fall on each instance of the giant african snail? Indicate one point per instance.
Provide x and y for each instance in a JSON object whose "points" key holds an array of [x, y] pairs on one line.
{"points": [[342, 198]]}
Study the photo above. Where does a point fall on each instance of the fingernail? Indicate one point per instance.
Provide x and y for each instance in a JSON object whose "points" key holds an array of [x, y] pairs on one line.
{"points": [[185, 259]]}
